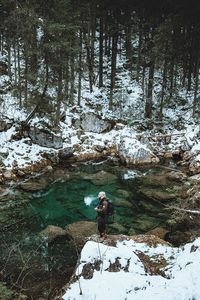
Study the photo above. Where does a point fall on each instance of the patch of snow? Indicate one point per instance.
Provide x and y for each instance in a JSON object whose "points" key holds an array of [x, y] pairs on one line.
{"points": [[182, 279]]}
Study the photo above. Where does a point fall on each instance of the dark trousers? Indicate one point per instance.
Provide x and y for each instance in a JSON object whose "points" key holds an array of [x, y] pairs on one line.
{"points": [[101, 221]]}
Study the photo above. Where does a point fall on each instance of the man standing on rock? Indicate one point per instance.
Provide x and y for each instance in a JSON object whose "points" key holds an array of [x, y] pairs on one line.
{"points": [[101, 210]]}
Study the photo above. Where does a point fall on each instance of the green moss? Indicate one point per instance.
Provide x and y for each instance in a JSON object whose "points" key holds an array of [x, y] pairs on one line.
{"points": [[5, 293]]}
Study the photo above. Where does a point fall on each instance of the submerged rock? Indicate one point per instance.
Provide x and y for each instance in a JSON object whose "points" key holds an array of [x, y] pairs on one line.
{"points": [[122, 203], [52, 232], [35, 185], [118, 228], [123, 193], [100, 178], [158, 195]]}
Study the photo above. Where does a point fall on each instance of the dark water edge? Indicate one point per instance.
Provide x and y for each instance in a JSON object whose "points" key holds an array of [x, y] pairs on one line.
{"points": [[39, 269]]}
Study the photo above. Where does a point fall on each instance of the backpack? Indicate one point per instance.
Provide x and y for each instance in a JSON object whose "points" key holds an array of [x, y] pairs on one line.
{"points": [[110, 209]]}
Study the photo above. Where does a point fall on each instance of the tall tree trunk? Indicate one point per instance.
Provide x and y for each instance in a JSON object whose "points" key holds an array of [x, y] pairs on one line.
{"points": [[149, 98], [128, 38], [164, 81], [15, 63], [33, 57], [113, 67], [19, 73], [171, 77], [196, 104], [143, 80], [101, 53], [59, 96], [9, 58], [80, 69], [26, 82], [72, 77], [139, 54], [66, 79]]}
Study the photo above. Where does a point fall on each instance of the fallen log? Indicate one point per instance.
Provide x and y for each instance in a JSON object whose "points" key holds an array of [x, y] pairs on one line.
{"points": [[195, 212]]}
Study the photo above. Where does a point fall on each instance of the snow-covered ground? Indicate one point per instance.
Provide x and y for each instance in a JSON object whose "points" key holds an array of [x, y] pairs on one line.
{"points": [[131, 281], [22, 152]]}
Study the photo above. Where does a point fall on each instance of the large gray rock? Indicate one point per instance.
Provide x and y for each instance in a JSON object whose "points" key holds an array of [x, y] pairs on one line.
{"points": [[93, 123], [45, 138], [132, 152]]}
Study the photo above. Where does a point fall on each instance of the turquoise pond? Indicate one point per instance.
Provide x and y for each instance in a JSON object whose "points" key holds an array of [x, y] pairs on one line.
{"points": [[42, 268], [73, 199]]}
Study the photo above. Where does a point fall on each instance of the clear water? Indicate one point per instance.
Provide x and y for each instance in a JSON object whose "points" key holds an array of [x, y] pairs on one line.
{"points": [[41, 268]]}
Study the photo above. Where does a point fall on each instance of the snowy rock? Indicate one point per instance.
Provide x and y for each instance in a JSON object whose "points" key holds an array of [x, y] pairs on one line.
{"points": [[133, 152], [45, 138], [93, 123]]}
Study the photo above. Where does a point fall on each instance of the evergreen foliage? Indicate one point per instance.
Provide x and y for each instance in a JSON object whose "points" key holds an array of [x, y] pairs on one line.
{"points": [[57, 43]]}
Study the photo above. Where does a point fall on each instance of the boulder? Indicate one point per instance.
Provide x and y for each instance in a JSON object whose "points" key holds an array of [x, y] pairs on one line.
{"points": [[34, 185], [131, 152], [157, 195], [100, 178], [123, 193], [66, 153], [122, 203], [178, 238], [158, 232], [81, 230], [45, 138], [93, 123], [53, 232], [150, 240], [176, 176]]}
